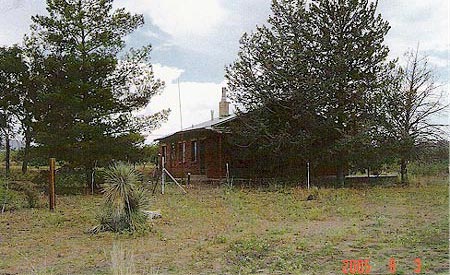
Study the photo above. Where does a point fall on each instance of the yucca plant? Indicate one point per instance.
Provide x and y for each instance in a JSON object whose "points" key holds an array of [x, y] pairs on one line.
{"points": [[124, 199]]}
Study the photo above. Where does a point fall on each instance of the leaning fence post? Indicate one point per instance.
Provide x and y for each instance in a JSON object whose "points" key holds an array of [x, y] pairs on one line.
{"points": [[51, 189]]}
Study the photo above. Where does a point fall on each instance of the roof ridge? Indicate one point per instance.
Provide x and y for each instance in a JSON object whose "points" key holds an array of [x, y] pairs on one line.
{"points": [[209, 124]]}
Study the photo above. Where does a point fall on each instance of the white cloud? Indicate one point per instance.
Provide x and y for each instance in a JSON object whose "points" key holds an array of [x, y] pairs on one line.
{"points": [[15, 19], [181, 19], [197, 100], [211, 28], [166, 73], [437, 61], [413, 22]]}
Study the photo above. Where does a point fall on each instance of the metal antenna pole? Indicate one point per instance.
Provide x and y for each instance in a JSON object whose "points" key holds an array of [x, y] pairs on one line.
{"points": [[179, 102]]}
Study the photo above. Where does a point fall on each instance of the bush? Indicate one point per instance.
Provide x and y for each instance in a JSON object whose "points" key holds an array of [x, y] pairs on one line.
{"points": [[436, 168], [70, 182], [29, 190], [10, 199], [67, 181], [17, 195], [17, 175], [124, 198]]}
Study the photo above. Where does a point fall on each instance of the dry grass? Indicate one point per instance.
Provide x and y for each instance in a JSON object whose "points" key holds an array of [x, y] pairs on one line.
{"points": [[122, 261], [215, 230]]}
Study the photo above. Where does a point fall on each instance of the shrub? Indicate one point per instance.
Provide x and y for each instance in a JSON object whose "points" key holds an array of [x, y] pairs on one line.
{"points": [[124, 199], [11, 199], [17, 175], [313, 193], [29, 190], [436, 168], [67, 181]]}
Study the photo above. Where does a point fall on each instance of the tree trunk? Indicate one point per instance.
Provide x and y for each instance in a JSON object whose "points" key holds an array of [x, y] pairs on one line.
{"points": [[26, 151], [7, 155], [403, 171]]}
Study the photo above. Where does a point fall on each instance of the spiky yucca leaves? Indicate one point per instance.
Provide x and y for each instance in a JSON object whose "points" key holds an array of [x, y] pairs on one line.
{"points": [[124, 200], [121, 180]]}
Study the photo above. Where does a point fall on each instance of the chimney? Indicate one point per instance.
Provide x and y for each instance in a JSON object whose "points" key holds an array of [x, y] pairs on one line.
{"points": [[224, 105], [212, 115]]}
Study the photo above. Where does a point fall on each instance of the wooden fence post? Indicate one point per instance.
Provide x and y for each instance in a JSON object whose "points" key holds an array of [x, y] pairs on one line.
{"points": [[51, 186]]}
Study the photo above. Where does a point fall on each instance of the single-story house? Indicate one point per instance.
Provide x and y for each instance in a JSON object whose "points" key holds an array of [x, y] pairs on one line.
{"points": [[206, 151], [199, 150]]}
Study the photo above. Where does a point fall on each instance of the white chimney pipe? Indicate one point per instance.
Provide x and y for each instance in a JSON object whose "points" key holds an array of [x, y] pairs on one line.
{"points": [[224, 105]]}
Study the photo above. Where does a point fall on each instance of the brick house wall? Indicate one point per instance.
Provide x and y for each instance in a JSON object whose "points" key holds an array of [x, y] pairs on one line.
{"points": [[198, 152]]}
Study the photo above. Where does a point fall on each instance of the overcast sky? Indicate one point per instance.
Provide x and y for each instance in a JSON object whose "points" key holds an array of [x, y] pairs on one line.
{"points": [[194, 39]]}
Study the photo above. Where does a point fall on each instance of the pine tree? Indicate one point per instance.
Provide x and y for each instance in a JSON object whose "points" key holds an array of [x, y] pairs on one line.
{"points": [[270, 83], [308, 83], [349, 58], [85, 107], [13, 78]]}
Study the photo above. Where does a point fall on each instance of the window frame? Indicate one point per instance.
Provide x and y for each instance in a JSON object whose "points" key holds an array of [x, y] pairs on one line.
{"points": [[184, 151], [194, 150], [181, 156], [172, 152]]}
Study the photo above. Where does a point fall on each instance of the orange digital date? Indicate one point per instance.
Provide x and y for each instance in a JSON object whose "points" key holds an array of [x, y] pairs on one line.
{"points": [[393, 267], [356, 266]]}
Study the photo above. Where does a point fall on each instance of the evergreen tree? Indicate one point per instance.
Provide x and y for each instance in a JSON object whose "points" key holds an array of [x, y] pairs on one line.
{"points": [[348, 60], [270, 82], [85, 107], [13, 78], [33, 84], [309, 82]]}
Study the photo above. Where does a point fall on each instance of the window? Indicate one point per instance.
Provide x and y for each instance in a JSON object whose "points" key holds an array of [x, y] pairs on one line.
{"points": [[164, 153], [181, 151], [194, 150], [172, 152]]}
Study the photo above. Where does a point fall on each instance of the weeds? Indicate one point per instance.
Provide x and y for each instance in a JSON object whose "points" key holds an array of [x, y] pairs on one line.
{"points": [[18, 195], [249, 253], [246, 231], [122, 261]]}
